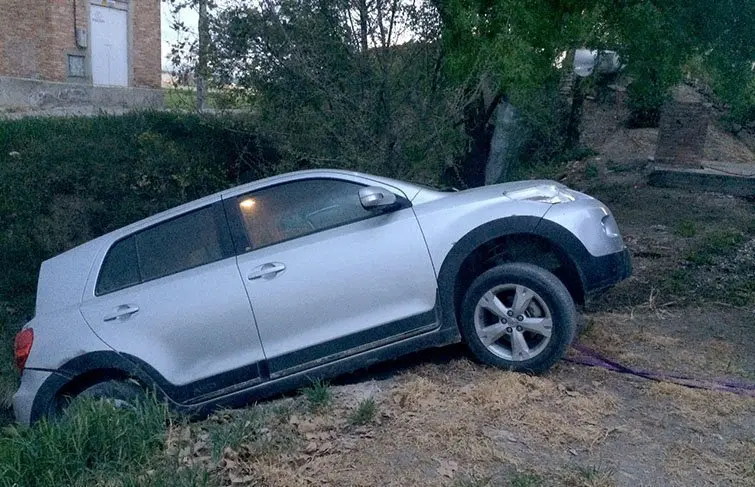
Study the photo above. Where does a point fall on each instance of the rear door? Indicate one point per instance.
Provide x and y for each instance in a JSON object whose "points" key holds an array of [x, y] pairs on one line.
{"points": [[170, 296], [326, 277]]}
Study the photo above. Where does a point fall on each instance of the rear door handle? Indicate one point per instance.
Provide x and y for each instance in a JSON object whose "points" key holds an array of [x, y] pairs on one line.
{"points": [[122, 311], [268, 271]]}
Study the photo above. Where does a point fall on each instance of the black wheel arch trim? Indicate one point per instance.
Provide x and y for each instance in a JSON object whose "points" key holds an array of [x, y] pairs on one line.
{"points": [[187, 396], [594, 273]]}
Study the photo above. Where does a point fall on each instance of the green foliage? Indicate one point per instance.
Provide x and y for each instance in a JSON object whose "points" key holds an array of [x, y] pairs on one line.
{"points": [[715, 244], [526, 480], [364, 413], [92, 440], [318, 394], [685, 228], [64, 181], [8, 372], [235, 431], [591, 171], [333, 92]]}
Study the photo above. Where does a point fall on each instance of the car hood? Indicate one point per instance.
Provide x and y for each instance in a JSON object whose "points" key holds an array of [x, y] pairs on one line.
{"points": [[517, 190]]}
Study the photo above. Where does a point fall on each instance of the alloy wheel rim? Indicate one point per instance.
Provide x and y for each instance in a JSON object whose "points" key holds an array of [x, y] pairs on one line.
{"points": [[513, 322]]}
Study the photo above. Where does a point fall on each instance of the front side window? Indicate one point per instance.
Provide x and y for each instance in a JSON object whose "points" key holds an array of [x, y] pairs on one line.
{"points": [[185, 242], [295, 209]]}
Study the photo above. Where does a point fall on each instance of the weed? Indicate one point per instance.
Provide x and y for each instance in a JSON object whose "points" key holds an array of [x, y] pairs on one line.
{"points": [[593, 476], [591, 170], [614, 166], [685, 228], [234, 432], [364, 413], [318, 395], [714, 244], [8, 372], [465, 480], [525, 480]]}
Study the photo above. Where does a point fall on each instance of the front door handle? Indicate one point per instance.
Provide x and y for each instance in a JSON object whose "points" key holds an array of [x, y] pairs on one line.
{"points": [[268, 271], [122, 311]]}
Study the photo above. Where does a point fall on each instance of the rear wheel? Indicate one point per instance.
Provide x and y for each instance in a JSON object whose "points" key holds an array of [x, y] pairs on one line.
{"points": [[518, 317], [119, 392]]}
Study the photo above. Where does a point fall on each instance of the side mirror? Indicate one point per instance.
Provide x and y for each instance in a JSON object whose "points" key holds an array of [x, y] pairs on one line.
{"points": [[373, 197]]}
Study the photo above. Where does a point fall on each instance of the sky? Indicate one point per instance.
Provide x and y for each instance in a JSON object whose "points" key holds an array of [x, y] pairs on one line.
{"points": [[170, 36]]}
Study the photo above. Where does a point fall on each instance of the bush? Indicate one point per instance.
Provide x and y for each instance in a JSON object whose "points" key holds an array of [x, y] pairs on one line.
{"points": [[64, 181]]}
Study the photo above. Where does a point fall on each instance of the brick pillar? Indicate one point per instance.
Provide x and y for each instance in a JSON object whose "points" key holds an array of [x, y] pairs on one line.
{"points": [[146, 46], [682, 131]]}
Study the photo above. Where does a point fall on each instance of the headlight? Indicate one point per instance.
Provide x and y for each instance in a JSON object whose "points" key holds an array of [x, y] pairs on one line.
{"points": [[545, 194]]}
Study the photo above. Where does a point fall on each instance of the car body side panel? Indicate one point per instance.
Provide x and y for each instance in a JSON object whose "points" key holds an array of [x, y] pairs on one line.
{"points": [[55, 293], [59, 337]]}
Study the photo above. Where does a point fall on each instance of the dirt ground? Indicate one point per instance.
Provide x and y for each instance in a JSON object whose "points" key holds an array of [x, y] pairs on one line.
{"points": [[442, 419]]}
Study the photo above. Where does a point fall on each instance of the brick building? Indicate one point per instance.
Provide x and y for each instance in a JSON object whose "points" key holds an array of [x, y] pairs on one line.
{"points": [[100, 42]]}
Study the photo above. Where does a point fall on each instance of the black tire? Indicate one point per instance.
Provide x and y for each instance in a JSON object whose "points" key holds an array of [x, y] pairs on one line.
{"points": [[122, 393], [549, 291]]}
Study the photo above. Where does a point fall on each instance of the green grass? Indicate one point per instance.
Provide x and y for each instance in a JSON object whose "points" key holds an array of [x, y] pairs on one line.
{"points": [[591, 171], [318, 394], [685, 228], [186, 99], [465, 480], [243, 428], [526, 480], [714, 244], [8, 372], [364, 413], [92, 440]]}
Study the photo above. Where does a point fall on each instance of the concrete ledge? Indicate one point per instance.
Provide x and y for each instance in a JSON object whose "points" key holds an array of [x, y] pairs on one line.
{"points": [[733, 179], [30, 95]]}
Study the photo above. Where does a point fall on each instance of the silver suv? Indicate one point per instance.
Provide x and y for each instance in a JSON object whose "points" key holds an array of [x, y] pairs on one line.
{"points": [[267, 286]]}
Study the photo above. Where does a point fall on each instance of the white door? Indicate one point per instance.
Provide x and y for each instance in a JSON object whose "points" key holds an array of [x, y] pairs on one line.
{"points": [[326, 277], [109, 31]]}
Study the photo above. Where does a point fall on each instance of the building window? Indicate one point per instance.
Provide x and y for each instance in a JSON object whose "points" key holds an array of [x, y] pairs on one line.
{"points": [[76, 66]]}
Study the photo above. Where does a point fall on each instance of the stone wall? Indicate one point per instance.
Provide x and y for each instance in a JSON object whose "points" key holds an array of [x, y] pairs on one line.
{"points": [[21, 97]]}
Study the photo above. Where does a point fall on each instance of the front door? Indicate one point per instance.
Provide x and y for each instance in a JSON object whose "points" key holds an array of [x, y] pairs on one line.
{"points": [[328, 278], [170, 297], [109, 38]]}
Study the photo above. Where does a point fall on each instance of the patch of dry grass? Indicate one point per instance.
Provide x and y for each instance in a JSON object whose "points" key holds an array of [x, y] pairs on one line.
{"points": [[686, 460], [708, 408]]}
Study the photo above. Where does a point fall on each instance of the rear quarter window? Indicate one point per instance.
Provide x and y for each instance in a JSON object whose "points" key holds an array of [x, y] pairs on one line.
{"points": [[120, 268]]}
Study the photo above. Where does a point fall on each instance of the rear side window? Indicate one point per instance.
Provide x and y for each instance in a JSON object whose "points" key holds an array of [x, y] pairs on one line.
{"points": [[179, 244], [189, 241]]}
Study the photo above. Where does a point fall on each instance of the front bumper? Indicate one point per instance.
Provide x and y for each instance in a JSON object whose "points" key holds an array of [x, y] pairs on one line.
{"points": [[600, 273]]}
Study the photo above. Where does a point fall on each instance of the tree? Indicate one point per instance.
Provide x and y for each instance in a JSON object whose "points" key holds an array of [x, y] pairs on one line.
{"points": [[350, 83]]}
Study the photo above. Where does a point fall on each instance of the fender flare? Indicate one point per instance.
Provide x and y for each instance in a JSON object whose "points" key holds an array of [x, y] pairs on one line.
{"points": [[561, 238]]}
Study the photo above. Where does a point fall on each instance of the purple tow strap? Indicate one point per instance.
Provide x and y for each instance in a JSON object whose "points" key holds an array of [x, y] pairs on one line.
{"points": [[590, 357]]}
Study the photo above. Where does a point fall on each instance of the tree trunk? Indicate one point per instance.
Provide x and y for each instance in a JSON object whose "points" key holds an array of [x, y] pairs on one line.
{"points": [[204, 44], [363, 26]]}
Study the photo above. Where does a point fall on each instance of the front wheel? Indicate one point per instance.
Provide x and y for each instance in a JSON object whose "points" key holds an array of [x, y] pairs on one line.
{"points": [[518, 317]]}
